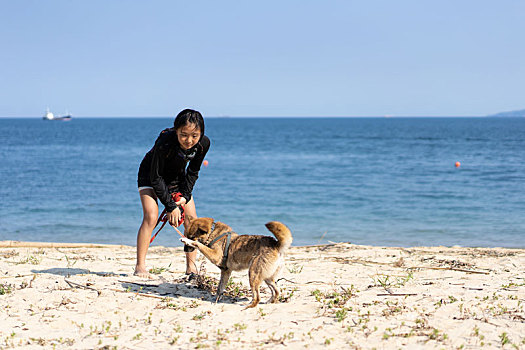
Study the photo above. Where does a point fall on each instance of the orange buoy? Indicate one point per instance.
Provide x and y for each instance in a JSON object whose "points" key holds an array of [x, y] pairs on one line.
{"points": [[458, 164], [205, 163]]}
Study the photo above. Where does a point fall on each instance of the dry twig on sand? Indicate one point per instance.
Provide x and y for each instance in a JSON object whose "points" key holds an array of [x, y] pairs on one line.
{"points": [[78, 285]]}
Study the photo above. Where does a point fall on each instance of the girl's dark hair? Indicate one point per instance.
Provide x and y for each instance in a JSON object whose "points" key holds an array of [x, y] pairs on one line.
{"points": [[189, 116]]}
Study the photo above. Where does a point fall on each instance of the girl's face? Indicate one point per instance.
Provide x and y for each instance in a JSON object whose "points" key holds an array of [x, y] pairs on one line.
{"points": [[188, 135]]}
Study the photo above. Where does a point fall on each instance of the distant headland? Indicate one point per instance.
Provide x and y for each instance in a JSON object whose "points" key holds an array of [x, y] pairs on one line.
{"points": [[520, 113]]}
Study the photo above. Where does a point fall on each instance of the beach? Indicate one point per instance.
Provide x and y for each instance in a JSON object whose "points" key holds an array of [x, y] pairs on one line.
{"points": [[336, 295]]}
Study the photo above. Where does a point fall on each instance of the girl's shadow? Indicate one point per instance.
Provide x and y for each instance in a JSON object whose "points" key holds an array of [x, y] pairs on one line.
{"points": [[69, 271]]}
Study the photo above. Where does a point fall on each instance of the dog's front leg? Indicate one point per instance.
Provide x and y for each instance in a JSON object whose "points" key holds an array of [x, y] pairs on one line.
{"points": [[213, 254], [225, 276]]}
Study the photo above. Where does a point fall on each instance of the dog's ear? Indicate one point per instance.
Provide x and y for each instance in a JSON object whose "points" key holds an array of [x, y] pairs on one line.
{"points": [[204, 224]]}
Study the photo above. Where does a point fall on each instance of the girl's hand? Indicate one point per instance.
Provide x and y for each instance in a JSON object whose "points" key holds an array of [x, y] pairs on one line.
{"points": [[181, 202], [174, 217]]}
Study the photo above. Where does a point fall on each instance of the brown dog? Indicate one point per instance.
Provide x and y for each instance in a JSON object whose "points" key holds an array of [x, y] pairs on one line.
{"points": [[262, 255]]}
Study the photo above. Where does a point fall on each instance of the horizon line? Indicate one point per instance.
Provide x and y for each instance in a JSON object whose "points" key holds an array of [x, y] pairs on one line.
{"points": [[268, 116]]}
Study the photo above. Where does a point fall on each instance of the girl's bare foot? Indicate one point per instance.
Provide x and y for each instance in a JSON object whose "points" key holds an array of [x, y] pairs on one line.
{"points": [[190, 268], [141, 271], [189, 271]]}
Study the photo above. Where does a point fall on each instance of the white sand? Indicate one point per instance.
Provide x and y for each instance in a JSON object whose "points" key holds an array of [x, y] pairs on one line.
{"points": [[339, 296]]}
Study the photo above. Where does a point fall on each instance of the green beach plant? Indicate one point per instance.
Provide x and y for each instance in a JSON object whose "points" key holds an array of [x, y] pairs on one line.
{"points": [[70, 262], [286, 295], [6, 288], [30, 260], [158, 270], [334, 301], [504, 338], [240, 326], [295, 268], [388, 281]]}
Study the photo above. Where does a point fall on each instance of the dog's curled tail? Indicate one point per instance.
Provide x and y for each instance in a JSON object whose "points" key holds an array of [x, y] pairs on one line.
{"points": [[282, 233]]}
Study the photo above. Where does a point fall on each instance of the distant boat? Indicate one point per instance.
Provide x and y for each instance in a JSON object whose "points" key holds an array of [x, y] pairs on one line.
{"points": [[49, 116]]}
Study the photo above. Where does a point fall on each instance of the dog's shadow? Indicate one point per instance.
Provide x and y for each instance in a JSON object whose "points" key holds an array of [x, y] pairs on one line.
{"points": [[178, 288], [181, 287]]}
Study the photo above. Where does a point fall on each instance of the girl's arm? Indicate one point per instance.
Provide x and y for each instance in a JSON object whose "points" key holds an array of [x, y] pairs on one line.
{"points": [[157, 182], [192, 173]]}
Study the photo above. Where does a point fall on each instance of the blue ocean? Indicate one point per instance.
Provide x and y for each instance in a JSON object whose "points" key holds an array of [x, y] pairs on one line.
{"points": [[374, 181]]}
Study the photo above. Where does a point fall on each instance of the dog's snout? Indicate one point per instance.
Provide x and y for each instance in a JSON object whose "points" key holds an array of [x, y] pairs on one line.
{"points": [[188, 249]]}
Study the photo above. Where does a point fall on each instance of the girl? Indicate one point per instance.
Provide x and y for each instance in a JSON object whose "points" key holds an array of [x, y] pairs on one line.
{"points": [[165, 170]]}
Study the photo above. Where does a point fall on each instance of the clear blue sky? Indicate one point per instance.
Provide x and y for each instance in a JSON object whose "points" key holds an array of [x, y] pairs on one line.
{"points": [[264, 58]]}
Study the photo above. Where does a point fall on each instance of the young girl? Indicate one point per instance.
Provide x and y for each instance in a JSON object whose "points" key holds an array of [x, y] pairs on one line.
{"points": [[165, 170]]}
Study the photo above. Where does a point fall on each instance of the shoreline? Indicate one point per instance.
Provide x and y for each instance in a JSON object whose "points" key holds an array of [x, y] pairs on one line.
{"points": [[333, 295], [39, 244]]}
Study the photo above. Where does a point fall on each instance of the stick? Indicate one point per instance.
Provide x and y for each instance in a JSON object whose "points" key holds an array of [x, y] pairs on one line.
{"points": [[320, 239], [395, 294], [74, 284], [359, 261], [325, 245], [282, 278], [136, 293], [16, 276], [449, 268], [140, 284]]}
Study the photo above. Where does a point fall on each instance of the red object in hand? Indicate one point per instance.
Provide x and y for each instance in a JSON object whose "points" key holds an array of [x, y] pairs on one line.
{"points": [[163, 217], [177, 197]]}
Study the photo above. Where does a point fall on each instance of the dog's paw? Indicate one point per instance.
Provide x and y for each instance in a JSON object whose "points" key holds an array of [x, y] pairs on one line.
{"points": [[188, 241]]}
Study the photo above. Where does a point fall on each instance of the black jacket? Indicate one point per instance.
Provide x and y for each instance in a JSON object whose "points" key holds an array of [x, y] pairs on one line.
{"points": [[166, 166]]}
